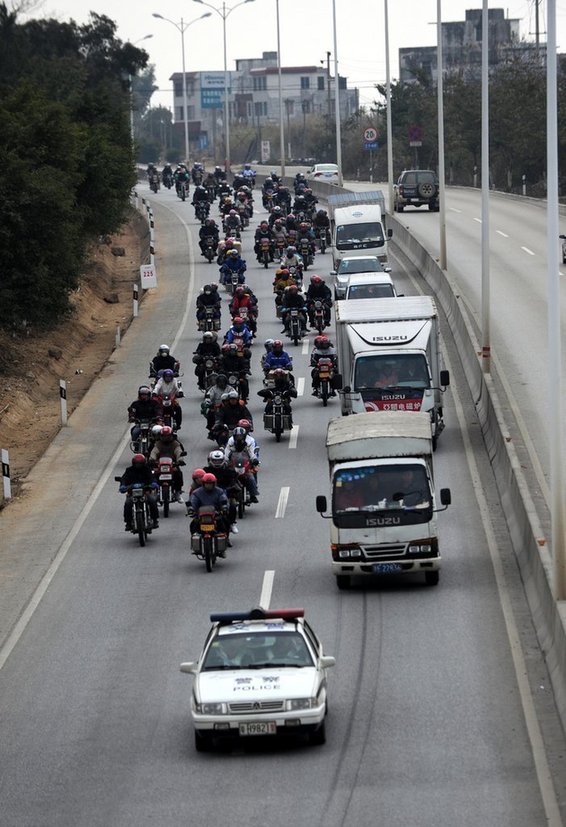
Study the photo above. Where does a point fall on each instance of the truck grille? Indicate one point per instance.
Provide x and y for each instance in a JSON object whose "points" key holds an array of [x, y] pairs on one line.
{"points": [[380, 552], [257, 706]]}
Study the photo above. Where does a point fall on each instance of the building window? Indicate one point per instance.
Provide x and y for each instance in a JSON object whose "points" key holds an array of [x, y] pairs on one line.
{"points": [[178, 88], [260, 108], [305, 83], [306, 106], [259, 84], [179, 115], [320, 80], [289, 106], [190, 113]]}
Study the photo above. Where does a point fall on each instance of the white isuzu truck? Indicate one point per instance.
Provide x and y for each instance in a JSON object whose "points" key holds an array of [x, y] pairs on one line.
{"points": [[383, 501], [357, 224], [389, 357]]}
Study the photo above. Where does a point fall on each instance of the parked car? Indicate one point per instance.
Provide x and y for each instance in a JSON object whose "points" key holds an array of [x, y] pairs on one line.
{"points": [[323, 172], [416, 188], [261, 672]]}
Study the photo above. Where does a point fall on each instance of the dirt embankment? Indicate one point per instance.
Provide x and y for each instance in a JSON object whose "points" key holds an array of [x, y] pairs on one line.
{"points": [[30, 368]]}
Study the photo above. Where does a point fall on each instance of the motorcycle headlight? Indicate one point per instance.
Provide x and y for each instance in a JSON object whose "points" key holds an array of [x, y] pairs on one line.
{"points": [[211, 709], [301, 703]]}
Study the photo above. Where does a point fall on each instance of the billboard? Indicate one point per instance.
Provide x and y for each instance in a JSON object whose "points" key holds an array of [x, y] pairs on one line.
{"points": [[212, 89]]}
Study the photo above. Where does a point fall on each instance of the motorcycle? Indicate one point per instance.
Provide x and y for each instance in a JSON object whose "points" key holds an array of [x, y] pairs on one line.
{"points": [[305, 251], [241, 464], [202, 209], [244, 216], [319, 315], [141, 518], [232, 280], [265, 252], [183, 190], [168, 402], [295, 322], [168, 180], [154, 183], [279, 419], [210, 321], [325, 369], [143, 443], [322, 239], [280, 245], [208, 543], [296, 272], [164, 476], [232, 231], [210, 248], [239, 382], [211, 192]]}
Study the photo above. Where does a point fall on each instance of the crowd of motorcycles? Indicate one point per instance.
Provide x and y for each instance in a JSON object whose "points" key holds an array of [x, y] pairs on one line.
{"points": [[220, 492]]}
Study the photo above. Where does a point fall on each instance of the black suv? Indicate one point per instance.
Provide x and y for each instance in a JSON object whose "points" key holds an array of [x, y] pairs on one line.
{"points": [[416, 187]]}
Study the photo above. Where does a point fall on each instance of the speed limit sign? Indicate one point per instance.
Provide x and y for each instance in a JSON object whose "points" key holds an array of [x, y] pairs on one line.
{"points": [[370, 134]]}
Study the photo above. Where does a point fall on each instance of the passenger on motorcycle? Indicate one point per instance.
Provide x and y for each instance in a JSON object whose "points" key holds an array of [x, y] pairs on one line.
{"points": [[322, 347], [208, 298], [231, 410], [318, 291], [245, 301], [169, 446], [139, 473], [227, 479], [292, 300], [196, 479], [142, 409], [163, 360], [233, 264], [238, 444], [208, 230], [251, 442], [213, 400], [167, 384]]}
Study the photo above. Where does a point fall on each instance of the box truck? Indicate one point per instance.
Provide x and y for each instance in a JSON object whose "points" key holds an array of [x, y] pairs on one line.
{"points": [[358, 225]]}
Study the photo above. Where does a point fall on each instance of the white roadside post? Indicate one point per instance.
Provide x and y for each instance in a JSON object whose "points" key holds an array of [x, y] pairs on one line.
{"points": [[136, 307], [118, 335], [6, 474], [63, 398]]}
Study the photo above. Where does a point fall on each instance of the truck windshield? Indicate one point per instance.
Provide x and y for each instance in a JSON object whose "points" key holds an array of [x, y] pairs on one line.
{"points": [[401, 488], [356, 236], [401, 370]]}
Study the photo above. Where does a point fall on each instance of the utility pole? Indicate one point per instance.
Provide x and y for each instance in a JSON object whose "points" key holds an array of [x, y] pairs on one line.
{"points": [[328, 85]]}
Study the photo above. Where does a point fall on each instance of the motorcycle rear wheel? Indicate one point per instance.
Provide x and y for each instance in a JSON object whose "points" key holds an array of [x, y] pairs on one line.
{"points": [[140, 528], [208, 553], [324, 393], [166, 502]]}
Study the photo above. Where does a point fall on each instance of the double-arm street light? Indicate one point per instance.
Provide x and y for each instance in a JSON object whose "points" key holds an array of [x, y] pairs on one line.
{"points": [[224, 13], [182, 27]]}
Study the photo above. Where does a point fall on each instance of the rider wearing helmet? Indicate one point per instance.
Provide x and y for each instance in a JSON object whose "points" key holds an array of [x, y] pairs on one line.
{"points": [[139, 473], [281, 385], [163, 360], [263, 231], [169, 446], [233, 263], [213, 400], [322, 347], [293, 299], [241, 443], [209, 494], [239, 333], [318, 291], [226, 478], [277, 358], [231, 410], [208, 297], [208, 230], [207, 349], [142, 409], [168, 385]]}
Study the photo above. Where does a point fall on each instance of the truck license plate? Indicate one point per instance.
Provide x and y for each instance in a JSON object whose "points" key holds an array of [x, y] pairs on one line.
{"points": [[258, 728], [387, 568]]}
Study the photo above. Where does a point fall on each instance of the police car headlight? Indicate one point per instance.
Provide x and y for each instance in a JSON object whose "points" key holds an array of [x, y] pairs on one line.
{"points": [[211, 709], [301, 703]]}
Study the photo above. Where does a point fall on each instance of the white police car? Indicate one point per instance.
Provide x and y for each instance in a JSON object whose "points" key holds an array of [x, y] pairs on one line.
{"points": [[261, 672]]}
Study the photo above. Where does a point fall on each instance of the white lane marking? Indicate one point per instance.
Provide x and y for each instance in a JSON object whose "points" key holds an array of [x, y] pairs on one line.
{"points": [[282, 502], [500, 232], [478, 220], [453, 209], [20, 627], [266, 589], [294, 436], [305, 347], [530, 252], [300, 386], [535, 736]]}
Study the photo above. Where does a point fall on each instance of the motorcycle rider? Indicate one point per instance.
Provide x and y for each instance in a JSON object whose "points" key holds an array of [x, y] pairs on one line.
{"points": [[207, 349], [231, 410], [167, 384], [263, 232], [282, 198], [239, 331], [251, 442], [281, 386], [310, 199], [300, 182], [219, 174], [237, 444], [213, 400], [163, 360], [292, 300], [142, 409], [169, 446], [318, 291], [208, 297], [208, 230], [197, 171], [245, 300], [249, 175], [200, 196], [267, 191], [321, 224], [322, 347], [209, 493], [268, 345], [277, 358], [181, 176], [292, 259], [167, 175], [275, 213], [233, 264], [232, 364], [226, 478], [282, 280], [139, 472]]}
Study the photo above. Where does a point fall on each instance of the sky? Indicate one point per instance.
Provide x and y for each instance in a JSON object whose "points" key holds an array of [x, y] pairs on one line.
{"points": [[306, 32]]}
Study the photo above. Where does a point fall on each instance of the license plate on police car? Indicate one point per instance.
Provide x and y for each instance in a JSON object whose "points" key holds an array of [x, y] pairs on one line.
{"points": [[387, 568], [258, 728]]}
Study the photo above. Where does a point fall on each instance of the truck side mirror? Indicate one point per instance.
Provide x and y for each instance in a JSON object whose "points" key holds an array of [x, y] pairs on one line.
{"points": [[337, 382], [444, 378], [389, 233], [445, 496], [347, 389], [321, 503], [118, 479], [333, 272]]}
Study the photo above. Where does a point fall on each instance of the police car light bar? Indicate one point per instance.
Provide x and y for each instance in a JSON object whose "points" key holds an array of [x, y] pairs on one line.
{"points": [[225, 618]]}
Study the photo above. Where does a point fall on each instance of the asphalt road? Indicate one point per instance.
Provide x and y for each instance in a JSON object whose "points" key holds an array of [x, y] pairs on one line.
{"points": [[439, 703]]}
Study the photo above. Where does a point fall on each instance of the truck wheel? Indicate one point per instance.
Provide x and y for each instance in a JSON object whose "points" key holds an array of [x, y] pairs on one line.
{"points": [[318, 736], [432, 578], [343, 581], [203, 741]]}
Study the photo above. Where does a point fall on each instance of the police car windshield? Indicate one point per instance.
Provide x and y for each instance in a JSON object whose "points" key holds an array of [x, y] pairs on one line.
{"points": [[257, 651]]}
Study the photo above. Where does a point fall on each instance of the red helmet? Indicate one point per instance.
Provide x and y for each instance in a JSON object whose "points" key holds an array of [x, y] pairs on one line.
{"points": [[198, 474], [167, 433], [208, 478], [239, 291], [316, 279], [238, 320], [277, 343], [138, 459], [245, 423]]}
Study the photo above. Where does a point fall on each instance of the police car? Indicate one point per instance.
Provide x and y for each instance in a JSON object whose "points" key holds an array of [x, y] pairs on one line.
{"points": [[261, 672]]}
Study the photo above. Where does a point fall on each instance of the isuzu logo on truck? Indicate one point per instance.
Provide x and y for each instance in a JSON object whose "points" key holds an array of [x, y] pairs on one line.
{"points": [[390, 339]]}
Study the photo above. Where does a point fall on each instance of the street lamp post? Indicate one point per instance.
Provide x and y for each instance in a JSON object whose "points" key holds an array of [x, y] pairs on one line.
{"points": [[337, 99], [281, 127], [182, 27], [224, 13]]}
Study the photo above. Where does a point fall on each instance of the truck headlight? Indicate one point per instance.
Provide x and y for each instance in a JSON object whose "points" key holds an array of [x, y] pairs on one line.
{"points": [[301, 703], [420, 548], [211, 709]]}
